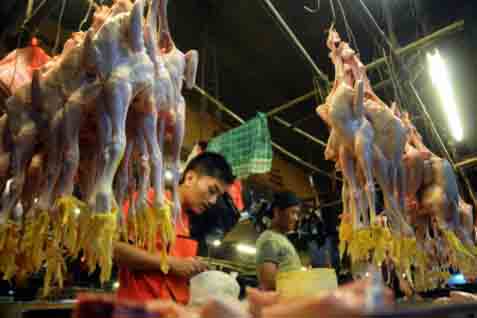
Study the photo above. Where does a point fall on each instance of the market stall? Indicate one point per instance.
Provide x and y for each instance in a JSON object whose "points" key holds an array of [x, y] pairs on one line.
{"points": [[93, 181]]}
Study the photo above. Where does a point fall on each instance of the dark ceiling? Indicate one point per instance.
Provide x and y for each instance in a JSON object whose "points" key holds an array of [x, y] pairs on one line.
{"points": [[251, 65]]}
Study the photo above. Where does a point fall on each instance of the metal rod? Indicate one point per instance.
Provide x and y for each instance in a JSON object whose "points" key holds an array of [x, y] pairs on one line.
{"points": [[226, 110], [299, 131], [423, 108], [303, 162], [421, 43], [219, 105], [291, 103], [466, 163], [295, 41]]}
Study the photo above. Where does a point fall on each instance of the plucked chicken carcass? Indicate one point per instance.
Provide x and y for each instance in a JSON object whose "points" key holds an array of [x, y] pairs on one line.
{"points": [[345, 114], [350, 300], [107, 68], [391, 136], [46, 94], [181, 68], [366, 140], [17, 67], [419, 189], [440, 199]]}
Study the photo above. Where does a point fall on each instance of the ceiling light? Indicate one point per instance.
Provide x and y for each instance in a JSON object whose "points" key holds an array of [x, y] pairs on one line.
{"points": [[441, 80], [246, 249], [216, 243], [168, 175]]}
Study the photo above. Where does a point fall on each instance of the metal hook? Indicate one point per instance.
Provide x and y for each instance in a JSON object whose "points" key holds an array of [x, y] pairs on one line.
{"points": [[314, 10]]}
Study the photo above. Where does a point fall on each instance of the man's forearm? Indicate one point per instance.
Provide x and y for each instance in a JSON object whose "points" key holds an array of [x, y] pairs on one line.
{"points": [[268, 283], [135, 258], [267, 273]]}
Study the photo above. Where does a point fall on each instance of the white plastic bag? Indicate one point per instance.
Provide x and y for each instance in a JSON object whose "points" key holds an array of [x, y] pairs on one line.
{"points": [[213, 285]]}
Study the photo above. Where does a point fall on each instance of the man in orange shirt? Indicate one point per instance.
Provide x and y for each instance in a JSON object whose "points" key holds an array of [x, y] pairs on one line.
{"points": [[205, 178]]}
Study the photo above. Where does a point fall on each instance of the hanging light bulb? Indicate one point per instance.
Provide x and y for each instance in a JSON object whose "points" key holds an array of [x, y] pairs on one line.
{"points": [[246, 249], [168, 175], [441, 81]]}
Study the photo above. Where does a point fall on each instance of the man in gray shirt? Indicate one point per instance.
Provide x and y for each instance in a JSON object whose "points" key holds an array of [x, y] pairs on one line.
{"points": [[275, 253]]}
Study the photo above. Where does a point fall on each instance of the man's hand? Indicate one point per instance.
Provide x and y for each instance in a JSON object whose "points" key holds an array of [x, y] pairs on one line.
{"points": [[186, 267], [267, 273]]}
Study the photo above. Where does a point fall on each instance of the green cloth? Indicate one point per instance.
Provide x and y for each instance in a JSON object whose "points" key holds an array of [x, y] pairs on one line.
{"points": [[247, 148], [274, 247]]}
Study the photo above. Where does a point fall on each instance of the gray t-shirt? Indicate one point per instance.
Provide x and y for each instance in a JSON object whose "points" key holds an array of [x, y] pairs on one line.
{"points": [[274, 247]]}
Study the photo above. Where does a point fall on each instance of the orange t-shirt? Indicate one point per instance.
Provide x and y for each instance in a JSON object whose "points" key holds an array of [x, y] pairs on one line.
{"points": [[143, 286]]}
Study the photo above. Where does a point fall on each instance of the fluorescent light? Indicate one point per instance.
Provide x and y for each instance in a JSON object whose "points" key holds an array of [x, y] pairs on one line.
{"points": [[216, 243], [246, 249], [441, 80], [168, 175]]}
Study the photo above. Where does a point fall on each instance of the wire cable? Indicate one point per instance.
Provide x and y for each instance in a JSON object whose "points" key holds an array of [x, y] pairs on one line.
{"points": [[333, 12], [85, 19], [349, 31], [57, 40]]}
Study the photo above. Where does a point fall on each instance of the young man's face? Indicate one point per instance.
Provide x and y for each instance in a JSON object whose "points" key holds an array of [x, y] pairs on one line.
{"points": [[201, 191], [289, 218]]}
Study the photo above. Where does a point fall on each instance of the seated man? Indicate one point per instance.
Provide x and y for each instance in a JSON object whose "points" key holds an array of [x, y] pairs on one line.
{"points": [[275, 253]]}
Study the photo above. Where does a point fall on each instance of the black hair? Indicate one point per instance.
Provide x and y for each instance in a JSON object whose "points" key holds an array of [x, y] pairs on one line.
{"points": [[282, 200], [285, 199], [210, 164]]}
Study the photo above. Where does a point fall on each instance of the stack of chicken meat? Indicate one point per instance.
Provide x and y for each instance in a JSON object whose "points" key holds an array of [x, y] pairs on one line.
{"points": [[81, 133], [425, 227]]}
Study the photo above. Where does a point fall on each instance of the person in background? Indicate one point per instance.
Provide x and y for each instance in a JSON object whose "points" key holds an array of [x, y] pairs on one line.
{"points": [[275, 253], [205, 178]]}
